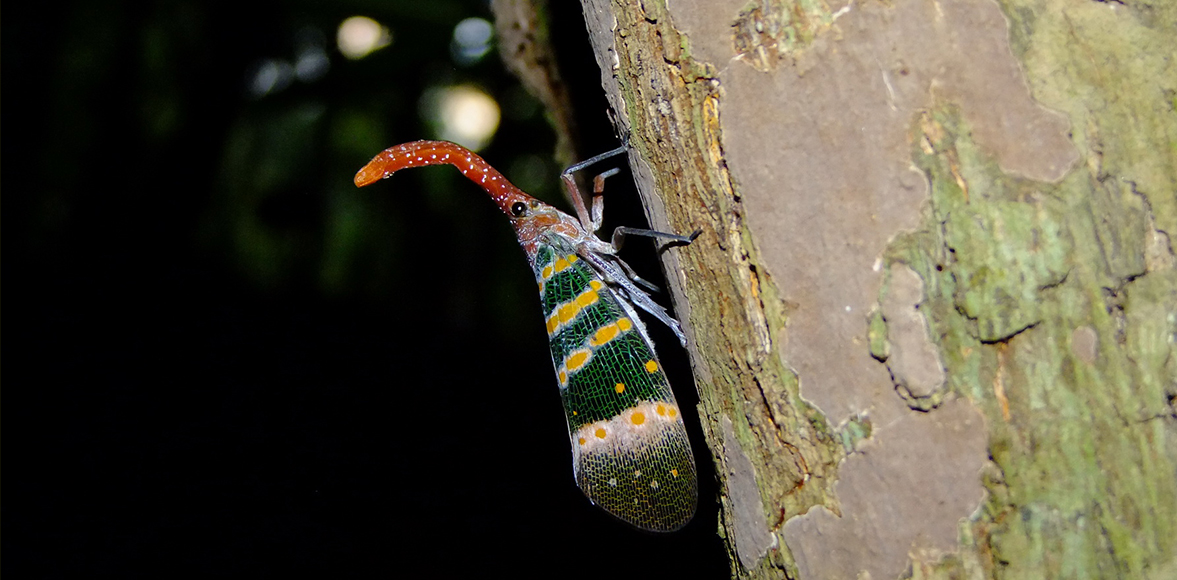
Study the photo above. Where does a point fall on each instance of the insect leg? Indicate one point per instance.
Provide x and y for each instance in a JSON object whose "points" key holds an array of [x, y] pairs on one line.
{"points": [[629, 273], [587, 220], [598, 201], [594, 159], [620, 233], [614, 273]]}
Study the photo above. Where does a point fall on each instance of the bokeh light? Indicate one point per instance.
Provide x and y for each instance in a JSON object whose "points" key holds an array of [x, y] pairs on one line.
{"points": [[472, 40], [463, 114], [270, 76], [359, 36], [311, 62]]}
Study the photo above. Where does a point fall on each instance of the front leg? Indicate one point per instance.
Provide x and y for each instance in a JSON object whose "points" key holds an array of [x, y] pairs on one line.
{"points": [[598, 199], [590, 222]]}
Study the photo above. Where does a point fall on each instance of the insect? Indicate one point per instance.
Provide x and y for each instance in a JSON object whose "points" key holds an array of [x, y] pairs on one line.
{"points": [[630, 450]]}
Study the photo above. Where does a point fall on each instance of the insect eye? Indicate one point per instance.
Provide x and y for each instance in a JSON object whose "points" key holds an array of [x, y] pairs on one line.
{"points": [[518, 209]]}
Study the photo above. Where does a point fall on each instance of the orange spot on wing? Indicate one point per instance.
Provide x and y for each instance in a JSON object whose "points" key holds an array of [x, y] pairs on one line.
{"points": [[582, 441], [576, 360], [568, 312], [604, 334], [624, 324], [600, 433], [651, 366], [587, 298], [619, 387], [674, 472], [660, 409], [637, 418]]}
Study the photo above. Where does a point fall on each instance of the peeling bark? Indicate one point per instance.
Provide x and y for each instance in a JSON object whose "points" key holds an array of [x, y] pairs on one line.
{"points": [[932, 316]]}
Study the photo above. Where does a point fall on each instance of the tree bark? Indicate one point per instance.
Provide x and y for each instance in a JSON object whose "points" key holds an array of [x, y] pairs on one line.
{"points": [[933, 313]]}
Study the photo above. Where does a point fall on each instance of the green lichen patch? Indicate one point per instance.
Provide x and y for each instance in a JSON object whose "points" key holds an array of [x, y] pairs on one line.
{"points": [[876, 334], [1007, 254], [766, 30], [854, 431], [1072, 363]]}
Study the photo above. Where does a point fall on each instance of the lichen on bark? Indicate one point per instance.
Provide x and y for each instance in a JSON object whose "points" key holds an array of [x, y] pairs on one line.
{"points": [[820, 169]]}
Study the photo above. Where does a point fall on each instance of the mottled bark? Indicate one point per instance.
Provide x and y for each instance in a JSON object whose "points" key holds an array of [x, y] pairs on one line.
{"points": [[932, 316]]}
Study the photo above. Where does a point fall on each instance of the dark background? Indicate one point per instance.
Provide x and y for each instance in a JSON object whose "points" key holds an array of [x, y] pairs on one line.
{"points": [[222, 358]]}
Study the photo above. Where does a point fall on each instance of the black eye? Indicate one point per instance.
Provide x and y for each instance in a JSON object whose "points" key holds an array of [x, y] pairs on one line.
{"points": [[518, 209]]}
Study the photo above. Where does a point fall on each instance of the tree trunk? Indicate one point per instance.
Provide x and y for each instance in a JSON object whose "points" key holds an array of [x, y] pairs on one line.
{"points": [[932, 316]]}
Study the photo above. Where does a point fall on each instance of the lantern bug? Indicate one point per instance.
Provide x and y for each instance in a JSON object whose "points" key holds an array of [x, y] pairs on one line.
{"points": [[630, 450]]}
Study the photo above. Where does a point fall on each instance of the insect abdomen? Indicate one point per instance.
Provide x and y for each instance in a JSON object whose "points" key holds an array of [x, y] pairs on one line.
{"points": [[631, 455]]}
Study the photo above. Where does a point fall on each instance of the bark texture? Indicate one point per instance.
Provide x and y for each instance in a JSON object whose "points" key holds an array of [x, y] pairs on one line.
{"points": [[933, 313]]}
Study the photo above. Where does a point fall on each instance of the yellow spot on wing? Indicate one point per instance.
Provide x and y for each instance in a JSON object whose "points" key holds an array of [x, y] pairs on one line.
{"points": [[568, 312], [605, 334], [587, 298], [546, 272], [660, 409], [673, 472], [638, 418], [582, 441], [651, 366], [624, 324], [600, 433], [576, 359], [620, 388], [560, 265]]}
